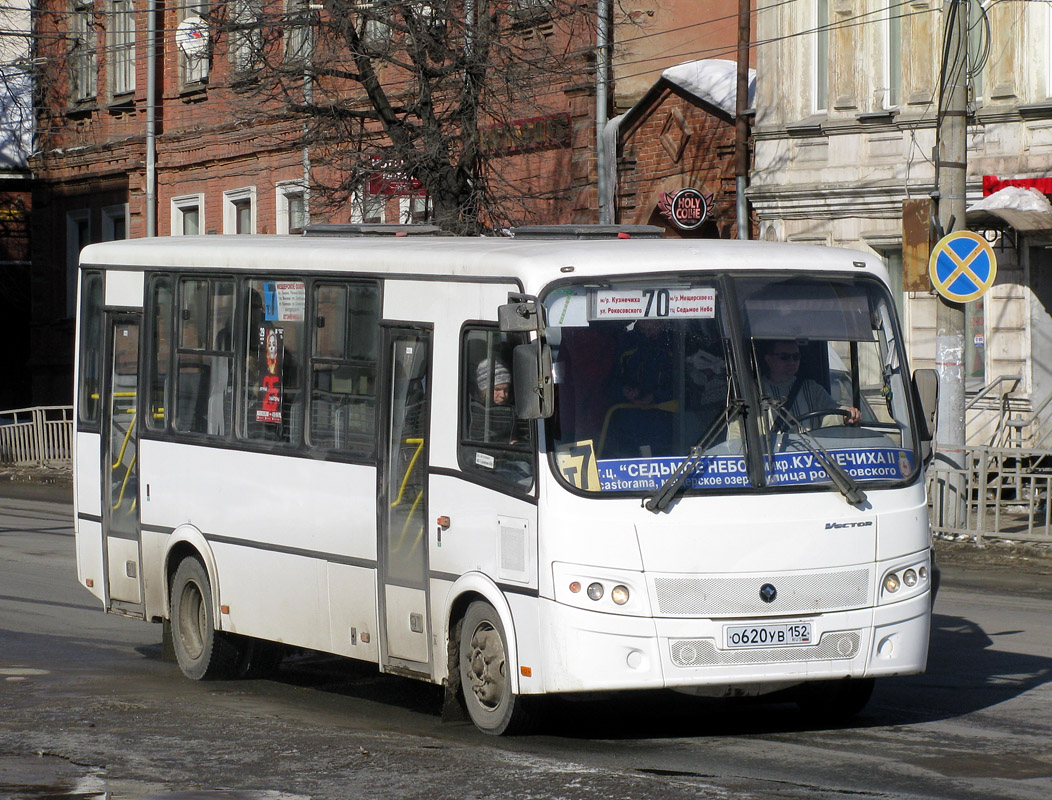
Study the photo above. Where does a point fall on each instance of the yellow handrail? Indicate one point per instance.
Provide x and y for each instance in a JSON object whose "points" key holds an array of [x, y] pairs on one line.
{"points": [[408, 471]]}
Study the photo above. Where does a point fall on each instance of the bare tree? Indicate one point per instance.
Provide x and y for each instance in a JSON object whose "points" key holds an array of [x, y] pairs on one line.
{"points": [[428, 94]]}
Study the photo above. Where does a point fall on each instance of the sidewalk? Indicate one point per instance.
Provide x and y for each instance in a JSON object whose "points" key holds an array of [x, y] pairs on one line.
{"points": [[36, 483]]}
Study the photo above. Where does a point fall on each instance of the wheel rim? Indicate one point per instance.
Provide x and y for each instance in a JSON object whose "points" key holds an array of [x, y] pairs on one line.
{"points": [[486, 666], [193, 620]]}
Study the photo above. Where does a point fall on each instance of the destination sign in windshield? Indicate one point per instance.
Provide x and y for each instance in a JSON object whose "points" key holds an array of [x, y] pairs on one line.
{"points": [[655, 303]]}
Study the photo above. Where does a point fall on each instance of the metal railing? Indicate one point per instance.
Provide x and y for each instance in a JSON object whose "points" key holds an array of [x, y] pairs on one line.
{"points": [[39, 436], [997, 493]]}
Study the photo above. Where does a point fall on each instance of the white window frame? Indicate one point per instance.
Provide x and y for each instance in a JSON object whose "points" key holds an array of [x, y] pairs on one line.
{"points": [[362, 201], [820, 58], [121, 51], [975, 34], [299, 31], [408, 206], [110, 214], [247, 38], [893, 54], [83, 53], [231, 199], [183, 203], [74, 219], [194, 70], [282, 192]]}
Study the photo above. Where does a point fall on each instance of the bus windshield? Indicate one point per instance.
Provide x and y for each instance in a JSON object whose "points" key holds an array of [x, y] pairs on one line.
{"points": [[755, 382]]}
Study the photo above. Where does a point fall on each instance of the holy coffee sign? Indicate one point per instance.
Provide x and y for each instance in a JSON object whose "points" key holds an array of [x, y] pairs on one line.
{"points": [[687, 208]]}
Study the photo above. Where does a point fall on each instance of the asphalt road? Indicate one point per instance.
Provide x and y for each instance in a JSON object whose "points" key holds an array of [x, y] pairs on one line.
{"points": [[89, 710]]}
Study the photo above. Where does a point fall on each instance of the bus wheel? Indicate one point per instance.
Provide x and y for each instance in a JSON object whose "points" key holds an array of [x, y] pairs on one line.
{"points": [[492, 705], [203, 652], [834, 702]]}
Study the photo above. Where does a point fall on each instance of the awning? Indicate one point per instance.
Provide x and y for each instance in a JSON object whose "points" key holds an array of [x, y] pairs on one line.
{"points": [[1026, 210]]}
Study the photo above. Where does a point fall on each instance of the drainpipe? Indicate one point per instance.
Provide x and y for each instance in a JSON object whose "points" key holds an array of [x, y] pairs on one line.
{"points": [[741, 125], [151, 118], [602, 83]]}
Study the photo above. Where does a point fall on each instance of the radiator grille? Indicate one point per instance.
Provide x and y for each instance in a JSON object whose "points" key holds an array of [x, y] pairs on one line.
{"points": [[798, 593], [833, 646]]}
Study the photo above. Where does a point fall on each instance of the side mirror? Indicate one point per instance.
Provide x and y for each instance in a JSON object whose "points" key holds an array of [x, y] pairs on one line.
{"points": [[926, 392], [520, 315], [532, 380]]}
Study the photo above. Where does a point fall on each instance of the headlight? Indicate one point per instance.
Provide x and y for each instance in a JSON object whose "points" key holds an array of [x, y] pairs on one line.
{"points": [[909, 577], [891, 582], [619, 594], [904, 582], [595, 591]]}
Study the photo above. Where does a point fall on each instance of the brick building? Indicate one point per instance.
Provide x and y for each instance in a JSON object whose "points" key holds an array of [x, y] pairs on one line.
{"points": [[676, 148], [203, 151]]}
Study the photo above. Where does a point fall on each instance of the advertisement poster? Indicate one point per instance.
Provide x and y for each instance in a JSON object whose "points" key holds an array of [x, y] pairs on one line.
{"points": [[271, 348]]}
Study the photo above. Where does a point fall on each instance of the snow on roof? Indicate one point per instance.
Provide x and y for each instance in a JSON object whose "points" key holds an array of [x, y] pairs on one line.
{"points": [[714, 80], [1025, 209]]}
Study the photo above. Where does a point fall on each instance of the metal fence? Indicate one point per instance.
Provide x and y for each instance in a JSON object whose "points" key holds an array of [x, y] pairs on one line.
{"points": [[40, 436], [997, 493]]}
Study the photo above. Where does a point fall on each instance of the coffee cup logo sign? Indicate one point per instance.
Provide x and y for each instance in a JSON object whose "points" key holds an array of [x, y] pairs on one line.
{"points": [[687, 208]]}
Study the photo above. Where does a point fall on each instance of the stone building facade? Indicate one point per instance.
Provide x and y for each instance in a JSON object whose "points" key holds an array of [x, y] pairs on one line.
{"points": [[845, 129]]}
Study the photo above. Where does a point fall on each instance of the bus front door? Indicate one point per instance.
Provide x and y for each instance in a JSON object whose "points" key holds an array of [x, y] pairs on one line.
{"points": [[120, 486], [402, 476]]}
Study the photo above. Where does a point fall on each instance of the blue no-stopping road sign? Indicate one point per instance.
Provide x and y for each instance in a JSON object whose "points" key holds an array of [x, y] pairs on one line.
{"points": [[962, 266]]}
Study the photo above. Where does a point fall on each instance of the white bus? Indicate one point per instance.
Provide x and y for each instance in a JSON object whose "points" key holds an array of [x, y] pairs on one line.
{"points": [[572, 460]]}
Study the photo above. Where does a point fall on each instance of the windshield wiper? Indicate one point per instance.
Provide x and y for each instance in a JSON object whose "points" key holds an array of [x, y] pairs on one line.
{"points": [[841, 479], [663, 496]]}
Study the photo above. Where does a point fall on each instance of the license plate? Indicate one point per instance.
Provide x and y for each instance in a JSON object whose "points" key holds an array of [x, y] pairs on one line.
{"points": [[788, 635]]}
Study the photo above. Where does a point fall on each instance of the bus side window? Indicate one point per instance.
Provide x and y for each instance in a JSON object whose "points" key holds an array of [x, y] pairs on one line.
{"points": [[274, 397], [343, 367], [90, 348], [159, 358], [204, 356], [493, 443]]}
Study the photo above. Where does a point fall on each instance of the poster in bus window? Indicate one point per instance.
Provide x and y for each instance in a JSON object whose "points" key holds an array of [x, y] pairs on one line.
{"points": [[272, 351]]}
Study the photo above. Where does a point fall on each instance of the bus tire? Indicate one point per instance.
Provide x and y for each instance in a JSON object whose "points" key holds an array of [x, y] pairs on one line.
{"points": [[203, 652], [484, 674], [834, 702]]}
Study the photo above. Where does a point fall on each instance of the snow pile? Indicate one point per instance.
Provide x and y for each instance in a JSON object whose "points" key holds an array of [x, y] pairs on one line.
{"points": [[714, 80], [1025, 209]]}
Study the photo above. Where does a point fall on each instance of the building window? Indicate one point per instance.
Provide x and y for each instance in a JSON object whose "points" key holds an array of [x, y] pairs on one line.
{"points": [[978, 47], [291, 205], [122, 47], [115, 223], [247, 43], [194, 43], [820, 74], [414, 210], [893, 55], [188, 213], [83, 57], [299, 31], [368, 208], [239, 210]]}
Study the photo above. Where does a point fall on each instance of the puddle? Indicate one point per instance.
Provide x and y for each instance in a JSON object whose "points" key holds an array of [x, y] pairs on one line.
{"points": [[48, 777]]}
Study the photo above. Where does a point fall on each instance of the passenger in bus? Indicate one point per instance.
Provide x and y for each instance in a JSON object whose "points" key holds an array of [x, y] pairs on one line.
{"points": [[493, 419], [641, 417], [799, 395]]}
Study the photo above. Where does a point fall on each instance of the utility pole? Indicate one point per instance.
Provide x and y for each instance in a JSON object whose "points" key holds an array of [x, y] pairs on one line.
{"points": [[952, 167], [741, 124], [602, 99]]}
